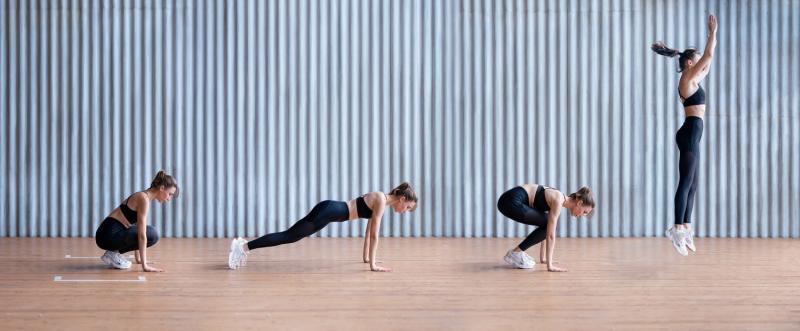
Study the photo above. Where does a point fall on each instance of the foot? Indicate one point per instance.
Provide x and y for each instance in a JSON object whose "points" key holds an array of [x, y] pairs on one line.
{"points": [[678, 238], [518, 260], [115, 260], [690, 240], [237, 256]]}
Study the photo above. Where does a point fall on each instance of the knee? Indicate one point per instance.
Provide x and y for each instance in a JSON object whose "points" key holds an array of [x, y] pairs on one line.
{"points": [[683, 188], [152, 236], [685, 182], [501, 205]]}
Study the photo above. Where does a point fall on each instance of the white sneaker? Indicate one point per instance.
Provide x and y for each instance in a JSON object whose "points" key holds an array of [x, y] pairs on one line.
{"points": [[121, 260], [527, 258], [237, 257], [115, 260], [690, 241], [526, 261], [518, 260], [678, 238], [242, 243]]}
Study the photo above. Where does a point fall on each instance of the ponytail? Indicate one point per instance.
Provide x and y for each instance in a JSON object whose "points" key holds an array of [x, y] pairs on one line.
{"points": [[686, 55], [662, 49]]}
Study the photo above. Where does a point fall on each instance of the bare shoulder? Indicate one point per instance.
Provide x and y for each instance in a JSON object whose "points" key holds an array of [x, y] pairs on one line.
{"points": [[554, 197], [138, 200], [690, 79], [375, 199]]}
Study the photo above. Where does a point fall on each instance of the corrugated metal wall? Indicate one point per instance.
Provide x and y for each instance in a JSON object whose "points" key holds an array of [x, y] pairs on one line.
{"points": [[262, 108]]}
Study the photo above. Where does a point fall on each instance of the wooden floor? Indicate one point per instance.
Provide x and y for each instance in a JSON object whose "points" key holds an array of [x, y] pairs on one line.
{"points": [[438, 284]]}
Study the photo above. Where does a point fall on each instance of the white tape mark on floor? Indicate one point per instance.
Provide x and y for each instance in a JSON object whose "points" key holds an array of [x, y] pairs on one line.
{"points": [[140, 279]]}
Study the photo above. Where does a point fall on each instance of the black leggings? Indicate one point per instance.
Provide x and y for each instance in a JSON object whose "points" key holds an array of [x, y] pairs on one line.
{"points": [[319, 217], [111, 235], [688, 139], [514, 205]]}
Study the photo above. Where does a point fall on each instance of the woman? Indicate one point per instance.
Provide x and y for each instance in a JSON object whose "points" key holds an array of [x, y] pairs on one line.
{"points": [[693, 68], [541, 209], [369, 206], [126, 229]]}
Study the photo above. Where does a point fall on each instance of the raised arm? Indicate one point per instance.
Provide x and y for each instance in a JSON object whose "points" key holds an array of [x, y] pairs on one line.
{"points": [[701, 68]]}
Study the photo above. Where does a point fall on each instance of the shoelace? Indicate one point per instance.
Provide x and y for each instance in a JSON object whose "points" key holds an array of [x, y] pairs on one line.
{"points": [[523, 259], [121, 262], [527, 258], [118, 259]]}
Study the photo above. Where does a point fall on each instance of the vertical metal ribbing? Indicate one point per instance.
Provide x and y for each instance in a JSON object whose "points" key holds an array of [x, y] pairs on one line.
{"points": [[262, 109]]}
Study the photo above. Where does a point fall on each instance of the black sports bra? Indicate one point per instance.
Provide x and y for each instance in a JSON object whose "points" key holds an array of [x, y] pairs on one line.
{"points": [[129, 213], [363, 209], [539, 202], [698, 98]]}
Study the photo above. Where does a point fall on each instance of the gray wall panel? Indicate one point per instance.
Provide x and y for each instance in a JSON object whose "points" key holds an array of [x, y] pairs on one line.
{"points": [[262, 108]]}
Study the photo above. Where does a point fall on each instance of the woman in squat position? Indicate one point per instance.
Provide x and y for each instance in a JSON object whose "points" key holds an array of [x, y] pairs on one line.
{"points": [[126, 229], [541, 209]]}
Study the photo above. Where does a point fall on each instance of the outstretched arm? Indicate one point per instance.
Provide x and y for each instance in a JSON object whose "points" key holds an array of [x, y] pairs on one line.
{"points": [[367, 235], [701, 68], [374, 227]]}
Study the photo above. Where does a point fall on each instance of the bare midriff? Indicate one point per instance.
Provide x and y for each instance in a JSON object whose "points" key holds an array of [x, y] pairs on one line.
{"points": [[696, 111]]}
